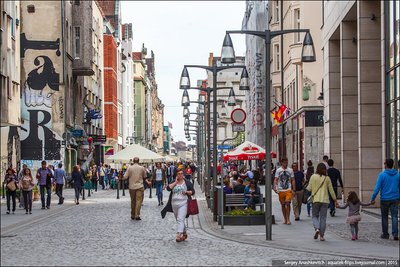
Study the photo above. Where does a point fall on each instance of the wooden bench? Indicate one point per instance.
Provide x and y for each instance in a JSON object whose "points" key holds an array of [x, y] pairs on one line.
{"points": [[237, 200]]}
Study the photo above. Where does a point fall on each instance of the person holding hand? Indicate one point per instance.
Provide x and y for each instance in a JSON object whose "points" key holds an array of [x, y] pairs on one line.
{"points": [[181, 190]]}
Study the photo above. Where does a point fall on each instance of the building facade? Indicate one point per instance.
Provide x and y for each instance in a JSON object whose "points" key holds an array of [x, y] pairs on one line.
{"points": [[361, 95], [140, 85], [297, 85], [10, 114]]}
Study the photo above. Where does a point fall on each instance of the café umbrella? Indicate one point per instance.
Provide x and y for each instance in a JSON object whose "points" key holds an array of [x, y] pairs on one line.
{"points": [[246, 151]]}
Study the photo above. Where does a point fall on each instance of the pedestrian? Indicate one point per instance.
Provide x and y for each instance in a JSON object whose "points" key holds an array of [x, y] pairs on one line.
{"points": [[19, 177], [388, 184], [160, 180], [45, 176], [298, 197], [136, 176], [227, 186], [10, 180], [181, 191], [78, 178], [102, 174], [239, 187], [95, 178], [325, 159], [60, 178], [334, 175], [106, 177], [252, 195], [26, 185], [353, 217], [188, 173], [309, 172], [320, 187], [285, 187]]}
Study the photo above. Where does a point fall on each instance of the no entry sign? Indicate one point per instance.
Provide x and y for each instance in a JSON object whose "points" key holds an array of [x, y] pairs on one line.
{"points": [[238, 115]]}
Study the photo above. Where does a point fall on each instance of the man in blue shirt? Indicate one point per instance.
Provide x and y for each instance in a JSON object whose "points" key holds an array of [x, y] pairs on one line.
{"points": [[388, 184], [45, 176], [60, 177]]}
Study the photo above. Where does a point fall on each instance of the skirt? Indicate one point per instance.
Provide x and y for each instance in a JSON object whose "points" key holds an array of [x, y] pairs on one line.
{"points": [[353, 219]]}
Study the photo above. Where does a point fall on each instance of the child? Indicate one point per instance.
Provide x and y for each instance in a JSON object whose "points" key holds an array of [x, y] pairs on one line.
{"points": [[354, 203]]}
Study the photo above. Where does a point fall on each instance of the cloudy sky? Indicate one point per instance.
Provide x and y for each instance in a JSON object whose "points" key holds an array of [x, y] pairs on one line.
{"points": [[179, 33]]}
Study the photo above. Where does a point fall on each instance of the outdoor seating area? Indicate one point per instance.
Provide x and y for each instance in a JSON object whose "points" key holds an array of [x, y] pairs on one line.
{"points": [[237, 201]]}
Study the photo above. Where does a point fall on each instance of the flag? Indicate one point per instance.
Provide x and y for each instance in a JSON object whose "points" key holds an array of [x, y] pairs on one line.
{"points": [[108, 150], [169, 125]]}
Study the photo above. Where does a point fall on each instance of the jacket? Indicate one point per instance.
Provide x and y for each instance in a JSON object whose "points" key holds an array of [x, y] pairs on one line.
{"points": [[168, 207], [77, 177], [322, 195], [164, 176], [135, 174], [388, 184]]}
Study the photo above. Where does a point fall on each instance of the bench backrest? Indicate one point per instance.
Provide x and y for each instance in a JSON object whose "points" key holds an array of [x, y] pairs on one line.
{"points": [[238, 198]]}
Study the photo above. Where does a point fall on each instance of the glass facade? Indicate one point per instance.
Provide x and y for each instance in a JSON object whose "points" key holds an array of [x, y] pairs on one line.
{"points": [[392, 80]]}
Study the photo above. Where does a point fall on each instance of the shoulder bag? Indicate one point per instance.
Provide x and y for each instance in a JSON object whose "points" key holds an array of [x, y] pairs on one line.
{"points": [[310, 199], [12, 186], [192, 207]]}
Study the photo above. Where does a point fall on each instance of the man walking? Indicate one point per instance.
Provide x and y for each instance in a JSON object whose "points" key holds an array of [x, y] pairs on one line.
{"points": [[136, 175], [171, 172], [102, 174], [285, 186], [298, 197], [44, 176], [334, 175], [60, 177], [388, 184]]}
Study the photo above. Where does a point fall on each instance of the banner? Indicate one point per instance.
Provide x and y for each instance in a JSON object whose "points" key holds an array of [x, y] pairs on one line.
{"points": [[108, 150]]}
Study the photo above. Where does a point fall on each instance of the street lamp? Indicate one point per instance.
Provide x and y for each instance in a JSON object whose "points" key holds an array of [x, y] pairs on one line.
{"points": [[185, 83], [231, 98], [228, 56], [185, 98]]}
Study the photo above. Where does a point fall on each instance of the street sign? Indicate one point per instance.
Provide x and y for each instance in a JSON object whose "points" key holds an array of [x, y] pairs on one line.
{"points": [[238, 115], [238, 127], [98, 138]]}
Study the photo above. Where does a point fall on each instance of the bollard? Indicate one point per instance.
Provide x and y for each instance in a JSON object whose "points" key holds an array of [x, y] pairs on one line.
{"points": [[3, 190], [123, 188], [117, 184], [83, 193]]}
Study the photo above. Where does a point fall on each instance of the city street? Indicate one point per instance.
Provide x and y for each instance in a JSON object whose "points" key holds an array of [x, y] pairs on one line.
{"points": [[100, 232]]}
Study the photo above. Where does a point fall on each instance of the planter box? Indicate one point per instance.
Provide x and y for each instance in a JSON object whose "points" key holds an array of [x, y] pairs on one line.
{"points": [[245, 220]]}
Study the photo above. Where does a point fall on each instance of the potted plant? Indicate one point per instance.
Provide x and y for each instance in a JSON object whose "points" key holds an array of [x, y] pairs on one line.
{"points": [[244, 217], [35, 191]]}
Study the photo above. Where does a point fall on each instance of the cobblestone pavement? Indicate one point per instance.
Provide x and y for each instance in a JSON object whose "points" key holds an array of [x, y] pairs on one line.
{"points": [[99, 231]]}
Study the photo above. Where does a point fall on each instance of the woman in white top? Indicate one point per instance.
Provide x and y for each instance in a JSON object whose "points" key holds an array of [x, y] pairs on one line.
{"points": [[181, 191]]}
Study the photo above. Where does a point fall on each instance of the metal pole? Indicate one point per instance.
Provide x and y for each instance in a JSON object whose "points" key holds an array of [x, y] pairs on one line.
{"points": [[208, 150], [118, 188], [268, 194], [215, 152]]}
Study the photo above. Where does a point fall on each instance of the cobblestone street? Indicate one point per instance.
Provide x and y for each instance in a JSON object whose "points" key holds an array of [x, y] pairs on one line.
{"points": [[100, 232]]}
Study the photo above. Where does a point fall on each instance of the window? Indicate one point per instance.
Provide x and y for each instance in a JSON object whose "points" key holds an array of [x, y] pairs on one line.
{"points": [[276, 15], [296, 25], [77, 41], [134, 110], [277, 64], [77, 2]]}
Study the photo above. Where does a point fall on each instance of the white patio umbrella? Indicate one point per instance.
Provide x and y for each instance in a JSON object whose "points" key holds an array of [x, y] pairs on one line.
{"points": [[126, 155]]}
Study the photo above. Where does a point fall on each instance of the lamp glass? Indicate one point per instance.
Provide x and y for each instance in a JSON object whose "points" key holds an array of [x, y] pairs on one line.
{"points": [[244, 80], [227, 51], [186, 112], [308, 52], [231, 98], [185, 99], [185, 80]]}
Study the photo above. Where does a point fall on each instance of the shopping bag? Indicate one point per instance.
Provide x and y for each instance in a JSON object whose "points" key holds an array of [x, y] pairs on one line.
{"points": [[192, 208]]}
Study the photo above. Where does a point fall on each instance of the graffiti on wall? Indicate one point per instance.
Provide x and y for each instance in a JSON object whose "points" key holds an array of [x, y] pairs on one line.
{"points": [[40, 93]]}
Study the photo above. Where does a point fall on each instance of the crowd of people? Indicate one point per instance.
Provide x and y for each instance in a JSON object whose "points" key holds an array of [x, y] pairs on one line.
{"points": [[291, 184]]}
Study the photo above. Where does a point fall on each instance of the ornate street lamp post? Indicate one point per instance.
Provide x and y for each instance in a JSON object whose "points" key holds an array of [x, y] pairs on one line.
{"points": [[228, 56]]}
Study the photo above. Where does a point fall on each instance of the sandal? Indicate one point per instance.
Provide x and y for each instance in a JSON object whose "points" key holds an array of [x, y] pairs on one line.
{"points": [[184, 236], [179, 237], [321, 238]]}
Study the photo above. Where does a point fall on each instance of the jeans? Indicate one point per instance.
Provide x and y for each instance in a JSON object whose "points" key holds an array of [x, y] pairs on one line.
{"points": [[11, 196], [77, 192], [27, 200], [159, 191], [319, 212], [59, 189], [48, 190], [252, 201], [393, 207], [309, 208], [331, 202], [94, 184], [105, 182], [297, 201]]}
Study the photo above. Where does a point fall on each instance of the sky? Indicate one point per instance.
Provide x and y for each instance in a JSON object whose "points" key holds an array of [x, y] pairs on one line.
{"points": [[179, 33]]}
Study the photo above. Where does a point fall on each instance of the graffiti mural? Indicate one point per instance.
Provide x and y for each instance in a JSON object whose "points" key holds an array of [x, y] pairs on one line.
{"points": [[42, 127]]}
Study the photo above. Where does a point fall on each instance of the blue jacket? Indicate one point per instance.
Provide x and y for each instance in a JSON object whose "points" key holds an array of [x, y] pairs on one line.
{"points": [[388, 184]]}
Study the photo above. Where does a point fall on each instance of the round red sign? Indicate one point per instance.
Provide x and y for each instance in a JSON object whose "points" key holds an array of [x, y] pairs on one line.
{"points": [[238, 115]]}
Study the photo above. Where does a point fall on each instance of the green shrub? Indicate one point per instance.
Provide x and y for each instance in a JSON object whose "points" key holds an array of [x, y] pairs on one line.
{"points": [[246, 212]]}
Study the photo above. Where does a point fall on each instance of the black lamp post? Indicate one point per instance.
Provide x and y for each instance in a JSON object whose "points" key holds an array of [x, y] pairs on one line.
{"points": [[185, 84], [228, 56]]}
